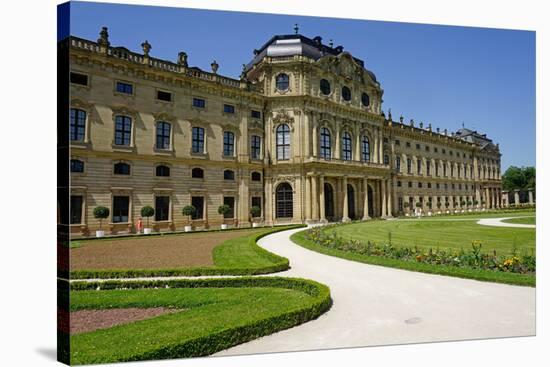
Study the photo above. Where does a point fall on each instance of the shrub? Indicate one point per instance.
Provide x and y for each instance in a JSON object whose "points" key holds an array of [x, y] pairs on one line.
{"points": [[101, 212], [405, 204], [419, 204], [224, 209], [188, 211], [146, 212], [255, 211]]}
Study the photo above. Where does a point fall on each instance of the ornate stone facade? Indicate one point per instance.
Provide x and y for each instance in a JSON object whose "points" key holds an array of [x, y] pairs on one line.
{"points": [[301, 134]]}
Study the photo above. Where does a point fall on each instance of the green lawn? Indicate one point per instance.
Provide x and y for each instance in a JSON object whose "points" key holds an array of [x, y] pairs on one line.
{"points": [[216, 314], [441, 232], [521, 220]]}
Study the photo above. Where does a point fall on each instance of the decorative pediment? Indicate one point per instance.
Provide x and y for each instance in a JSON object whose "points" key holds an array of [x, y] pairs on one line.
{"points": [[124, 110], [282, 117], [163, 116], [78, 103]]}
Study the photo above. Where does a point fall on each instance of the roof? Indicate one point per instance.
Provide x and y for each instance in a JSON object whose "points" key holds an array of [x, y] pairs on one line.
{"points": [[473, 136], [297, 44]]}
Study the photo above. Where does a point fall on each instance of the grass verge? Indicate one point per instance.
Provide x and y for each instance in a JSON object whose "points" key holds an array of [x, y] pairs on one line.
{"points": [[483, 275], [217, 314], [238, 256]]}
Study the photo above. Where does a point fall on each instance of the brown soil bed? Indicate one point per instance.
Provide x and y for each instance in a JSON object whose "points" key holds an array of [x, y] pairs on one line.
{"points": [[165, 252], [90, 320]]}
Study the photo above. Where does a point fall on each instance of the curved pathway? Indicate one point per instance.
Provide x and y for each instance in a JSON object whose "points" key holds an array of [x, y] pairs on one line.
{"points": [[375, 305], [498, 222]]}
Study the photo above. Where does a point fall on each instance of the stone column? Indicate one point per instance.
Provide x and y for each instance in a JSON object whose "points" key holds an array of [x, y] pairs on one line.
{"points": [[307, 135], [338, 144], [380, 147], [308, 200], [315, 137], [314, 198], [357, 154], [345, 214], [516, 197], [322, 198], [269, 207], [487, 202], [365, 199], [390, 201], [383, 195], [530, 193], [375, 150]]}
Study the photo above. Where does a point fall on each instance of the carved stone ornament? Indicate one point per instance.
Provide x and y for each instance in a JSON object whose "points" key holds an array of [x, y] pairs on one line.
{"points": [[163, 116], [123, 110], [282, 117]]}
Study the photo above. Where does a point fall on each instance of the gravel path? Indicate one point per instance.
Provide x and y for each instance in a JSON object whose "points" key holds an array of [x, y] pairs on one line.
{"points": [[374, 305], [498, 222]]}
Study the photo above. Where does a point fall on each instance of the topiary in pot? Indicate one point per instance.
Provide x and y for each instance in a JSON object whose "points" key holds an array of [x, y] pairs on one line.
{"points": [[188, 211], [147, 212], [101, 212], [224, 209], [255, 212]]}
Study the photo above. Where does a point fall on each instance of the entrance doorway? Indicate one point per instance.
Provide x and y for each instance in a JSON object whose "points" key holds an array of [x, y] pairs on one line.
{"points": [[351, 202], [329, 202]]}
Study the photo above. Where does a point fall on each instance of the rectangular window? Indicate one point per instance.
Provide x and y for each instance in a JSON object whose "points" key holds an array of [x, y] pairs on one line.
{"points": [[123, 130], [228, 108], [198, 140], [386, 159], [199, 102], [397, 142], [437, 185], [419, 166], [125, 88], [228, 144], [163, 135], [427, 148], [398, 183], [410, 184], [445, 170], [428, 167], [398, 163], [77, 125], [255, 147], [420, 185], [76, 209], [417, 146], [257, 201], [437, 169], [400, 204], [255, 114], [409, 166], [81, 79], [385, 140], [198, 203], [121, 205], [408, 144], [429, 185], [229, 201], [164, 96], [435, 150], [162, 208]]}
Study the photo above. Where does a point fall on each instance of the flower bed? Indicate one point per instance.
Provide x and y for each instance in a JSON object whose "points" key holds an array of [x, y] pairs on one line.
{"points": [[473, 259]]}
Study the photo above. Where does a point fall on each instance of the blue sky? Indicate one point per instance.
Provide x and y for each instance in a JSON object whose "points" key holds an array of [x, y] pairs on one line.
{"points": [[446, 76]]}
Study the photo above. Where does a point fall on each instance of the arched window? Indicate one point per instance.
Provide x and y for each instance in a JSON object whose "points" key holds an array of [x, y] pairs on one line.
{"points": [[197, 172], [228, 143], [163, 171], [77, 165], [283, 201], [123, 130], [346, 93], [346, 146], [256, 176], [282, 82], [365, 148], [163, 135], [324, 85], [365, 100], [78, 124], [228, 175], [325, 143], [283, 142], [122, 168]]}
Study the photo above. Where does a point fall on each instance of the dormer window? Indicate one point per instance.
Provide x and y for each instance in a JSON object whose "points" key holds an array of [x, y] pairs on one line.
{"points": [[324, 85], [346, 93], [282, 82]]}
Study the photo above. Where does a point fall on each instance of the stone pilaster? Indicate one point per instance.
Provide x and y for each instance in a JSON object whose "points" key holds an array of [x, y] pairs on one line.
{"points": [[365, 199], [322, 198], [345, 214]]}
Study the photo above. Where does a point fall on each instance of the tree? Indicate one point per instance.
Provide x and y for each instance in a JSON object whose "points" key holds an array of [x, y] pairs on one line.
{"points": [[188, 211], [147, 211], [101, 212], [516, 178]]}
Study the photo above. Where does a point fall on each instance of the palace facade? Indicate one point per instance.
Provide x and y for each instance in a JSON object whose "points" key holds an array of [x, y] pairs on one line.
{"points": [[301, 135]]}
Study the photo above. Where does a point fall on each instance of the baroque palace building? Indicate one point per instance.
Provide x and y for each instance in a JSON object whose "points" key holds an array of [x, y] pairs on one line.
{"points": [[301, 135]]}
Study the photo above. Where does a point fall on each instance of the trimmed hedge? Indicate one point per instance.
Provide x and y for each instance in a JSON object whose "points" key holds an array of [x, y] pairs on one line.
{"points": [[278, 264], [206, 345]]}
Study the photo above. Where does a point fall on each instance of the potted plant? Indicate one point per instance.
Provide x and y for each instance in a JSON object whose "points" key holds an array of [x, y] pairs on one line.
{"points": [[429, 208], [462, 204], [406, 206], [188, 211], [447, 206], [418, 207], [100, 212], [438, 207], [483, 205], [476, 204], [255, 212], [223, 210], [147, 211], [469, 203]]}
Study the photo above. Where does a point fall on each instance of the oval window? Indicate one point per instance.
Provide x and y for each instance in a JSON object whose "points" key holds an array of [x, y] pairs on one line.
{"points": [[325, 87], [346, 93], [282, 81], [365, 99]]}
